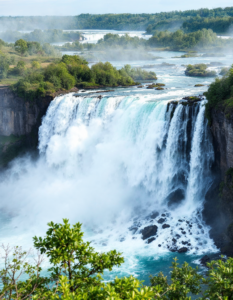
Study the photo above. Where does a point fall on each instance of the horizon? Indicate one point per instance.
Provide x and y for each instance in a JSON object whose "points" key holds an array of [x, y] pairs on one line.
{"points": [[26, 8]]}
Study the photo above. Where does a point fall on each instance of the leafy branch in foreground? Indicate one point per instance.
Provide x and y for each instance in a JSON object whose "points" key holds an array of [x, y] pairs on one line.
{"points": [[76, 269]]}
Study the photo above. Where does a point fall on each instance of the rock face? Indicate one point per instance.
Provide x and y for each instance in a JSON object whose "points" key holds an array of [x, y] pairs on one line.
{"points": [[218, 210], [222, 129], [21, 119]]}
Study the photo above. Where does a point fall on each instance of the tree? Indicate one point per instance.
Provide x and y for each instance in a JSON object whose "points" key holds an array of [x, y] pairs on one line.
{"points": [[21, 46], [35, 64], [73, 258]]}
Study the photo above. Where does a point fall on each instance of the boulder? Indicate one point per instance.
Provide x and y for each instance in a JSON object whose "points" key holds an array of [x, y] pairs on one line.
{"points": [[154, 215], [161, 221], [151, 240], [149, 231], [183, 250], [165, 226]]}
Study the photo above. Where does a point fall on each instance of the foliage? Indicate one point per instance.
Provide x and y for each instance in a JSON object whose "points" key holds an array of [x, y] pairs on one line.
{"points": [[179, 40], [4, 66], [45, 36], [138, 73], [220, 93], [34, 48], [199, 70], [76, 270], [21, 46], [35, 64], [68, 72], [219, 25], [12, 287]]}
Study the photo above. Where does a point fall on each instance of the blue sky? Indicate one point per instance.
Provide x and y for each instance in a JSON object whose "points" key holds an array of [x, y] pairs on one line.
{"points": [[75, 7]]}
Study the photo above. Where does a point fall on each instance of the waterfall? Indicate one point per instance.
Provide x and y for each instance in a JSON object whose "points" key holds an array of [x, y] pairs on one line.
{"points": [[159, 153], [117, 164]]}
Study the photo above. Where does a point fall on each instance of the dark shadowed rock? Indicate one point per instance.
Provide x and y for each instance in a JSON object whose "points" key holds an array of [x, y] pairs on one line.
{"points": [[184, 243], [149, 231], [151, 240], [165, 226], [174, 240], [176, 197], [183, 250], [161, 221], [154, 215]]}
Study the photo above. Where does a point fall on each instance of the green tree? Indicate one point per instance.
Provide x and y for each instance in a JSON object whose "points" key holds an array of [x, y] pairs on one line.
{"points": [[21, 46], [35, 64], [70, 256]]}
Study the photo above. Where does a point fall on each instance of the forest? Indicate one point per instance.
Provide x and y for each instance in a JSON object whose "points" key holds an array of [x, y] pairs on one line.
{"points": [[150, 22]]}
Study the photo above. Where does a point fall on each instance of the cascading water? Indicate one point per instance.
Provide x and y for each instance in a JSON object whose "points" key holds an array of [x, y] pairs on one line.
{"points": [[118, 164], [159, 153]]}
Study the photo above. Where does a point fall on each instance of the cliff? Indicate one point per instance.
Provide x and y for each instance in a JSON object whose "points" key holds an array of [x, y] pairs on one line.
{"points": [[218, 210], [19, 122]]}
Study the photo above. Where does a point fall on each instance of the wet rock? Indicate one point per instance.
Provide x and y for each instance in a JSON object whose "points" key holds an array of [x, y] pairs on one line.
{"points": [[161, 221], [183, 250], [154, 215], [163, 215], [173, 249], [176, 197], [149, 231], [159, 245], [165, 226], [183, 232], [184, 243], [140, 86], [151, 240], [199, 226], [174, 240], [180, 220], [178, 236]]}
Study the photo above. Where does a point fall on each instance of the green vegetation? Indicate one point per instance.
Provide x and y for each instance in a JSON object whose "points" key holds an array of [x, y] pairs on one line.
{"points": [[202, 39], [138, 73], [224, 71], [220, 95], [199, 70], [17, 59], [45, 36], [76, 271], [220, 25], [217, 19], [115, 47], [73, 71]]}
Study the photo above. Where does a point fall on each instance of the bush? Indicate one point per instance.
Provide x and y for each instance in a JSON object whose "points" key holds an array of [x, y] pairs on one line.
{"points": [[199, 70], [76, 269]]}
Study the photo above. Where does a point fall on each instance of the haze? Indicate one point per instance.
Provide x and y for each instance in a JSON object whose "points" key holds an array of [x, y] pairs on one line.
{"points": [[74, 7]]}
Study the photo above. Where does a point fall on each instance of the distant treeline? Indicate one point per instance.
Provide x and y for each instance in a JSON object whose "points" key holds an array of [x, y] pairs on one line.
{"points": [[200, 40], [41, 36], [151, 22]]}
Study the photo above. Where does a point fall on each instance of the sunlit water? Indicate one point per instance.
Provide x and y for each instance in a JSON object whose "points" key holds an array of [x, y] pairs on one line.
{"points": [[109, 163]]}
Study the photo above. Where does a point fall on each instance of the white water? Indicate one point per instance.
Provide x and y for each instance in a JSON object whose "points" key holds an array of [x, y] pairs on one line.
{"points": [[110, 163]]}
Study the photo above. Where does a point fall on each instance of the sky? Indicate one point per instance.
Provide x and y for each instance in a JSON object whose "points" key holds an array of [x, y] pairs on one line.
{"points": [[76, 7]]}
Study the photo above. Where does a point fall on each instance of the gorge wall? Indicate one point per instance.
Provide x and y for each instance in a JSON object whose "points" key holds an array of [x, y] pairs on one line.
{"points": [[219, 203], [19, 123]]}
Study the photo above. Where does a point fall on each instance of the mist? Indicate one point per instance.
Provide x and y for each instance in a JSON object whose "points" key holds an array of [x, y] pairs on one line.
{"points": [[71, 7]]}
